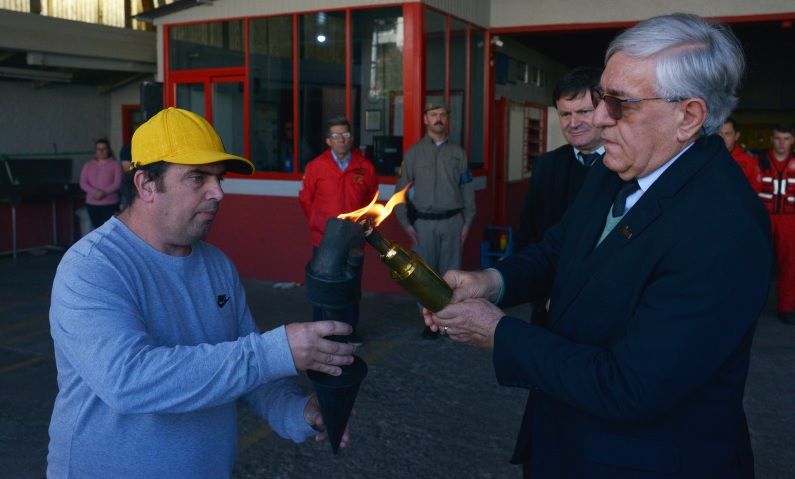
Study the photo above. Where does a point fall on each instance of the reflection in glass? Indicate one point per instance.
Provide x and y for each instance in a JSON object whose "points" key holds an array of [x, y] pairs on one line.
{"points": [[477, 91], [458, 79], [190, 96], [228, 115], [377, 85], [271, 96], [322, 78], [435, 26], [206, 45]]}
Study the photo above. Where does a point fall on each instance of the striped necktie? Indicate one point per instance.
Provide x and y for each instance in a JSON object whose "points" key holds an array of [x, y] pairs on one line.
{"points": [[588, 159]]}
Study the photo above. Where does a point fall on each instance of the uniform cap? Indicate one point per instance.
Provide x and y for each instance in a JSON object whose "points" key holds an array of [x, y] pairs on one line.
{"points": [[180, 136], [435, 105]]}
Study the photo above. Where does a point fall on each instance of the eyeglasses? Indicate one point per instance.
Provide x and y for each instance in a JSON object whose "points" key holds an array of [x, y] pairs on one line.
{"points": [[339, 136], [615, 105]]}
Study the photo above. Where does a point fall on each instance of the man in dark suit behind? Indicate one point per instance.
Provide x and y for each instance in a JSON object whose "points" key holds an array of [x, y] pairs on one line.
{"points": [[559, 174], [656, 274]]}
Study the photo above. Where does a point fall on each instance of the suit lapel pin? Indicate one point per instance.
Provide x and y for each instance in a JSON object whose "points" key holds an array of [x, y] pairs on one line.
{"points": [[626, 232]]}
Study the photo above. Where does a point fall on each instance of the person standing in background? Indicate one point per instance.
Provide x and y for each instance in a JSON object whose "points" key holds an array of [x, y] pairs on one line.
{"points": [[776, 189], [559, 174], [100, 178], [443, 201], [339, 180], [730, 132]]}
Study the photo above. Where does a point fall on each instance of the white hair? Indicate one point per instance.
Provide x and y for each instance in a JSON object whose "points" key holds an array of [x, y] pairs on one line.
{"points": [[694, 59]]}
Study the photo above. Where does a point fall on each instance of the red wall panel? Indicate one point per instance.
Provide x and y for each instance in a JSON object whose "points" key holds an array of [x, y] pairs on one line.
{"points": [[267, 237]]}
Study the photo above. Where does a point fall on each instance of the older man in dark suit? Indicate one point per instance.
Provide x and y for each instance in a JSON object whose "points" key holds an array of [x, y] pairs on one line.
{"points": [[656, 275]]}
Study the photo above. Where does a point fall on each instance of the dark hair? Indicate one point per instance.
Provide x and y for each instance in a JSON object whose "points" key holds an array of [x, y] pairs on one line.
{"points": [[576, 82], [337, 121], [105, 142], [153, 171], [784, 128], [735, 125]]}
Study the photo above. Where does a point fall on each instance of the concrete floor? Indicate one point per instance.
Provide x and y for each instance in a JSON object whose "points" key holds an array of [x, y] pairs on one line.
{"points": [[426, 408]]}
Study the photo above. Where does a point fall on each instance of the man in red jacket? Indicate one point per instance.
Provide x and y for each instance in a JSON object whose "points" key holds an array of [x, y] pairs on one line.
{"points": [[776, 189], [730, 132], [339, 180]]}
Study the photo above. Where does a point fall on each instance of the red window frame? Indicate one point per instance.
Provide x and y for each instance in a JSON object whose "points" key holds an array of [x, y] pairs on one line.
{"points": [[413, 78]]}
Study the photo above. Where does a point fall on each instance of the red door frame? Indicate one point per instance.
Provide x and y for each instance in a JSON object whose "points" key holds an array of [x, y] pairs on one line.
{"points": [[126, 122]]}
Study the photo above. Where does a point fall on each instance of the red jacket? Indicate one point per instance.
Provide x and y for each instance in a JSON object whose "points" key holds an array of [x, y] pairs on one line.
{"points": [[749, 164], [327, 191], [777, 184]]}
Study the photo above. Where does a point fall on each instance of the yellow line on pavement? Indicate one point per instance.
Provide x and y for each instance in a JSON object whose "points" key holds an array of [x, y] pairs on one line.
{"points": [[253, 437], [28, 362], [24, 324]]}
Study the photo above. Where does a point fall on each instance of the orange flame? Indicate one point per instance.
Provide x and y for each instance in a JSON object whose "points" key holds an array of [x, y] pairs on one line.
{"points": [[377, 211]]}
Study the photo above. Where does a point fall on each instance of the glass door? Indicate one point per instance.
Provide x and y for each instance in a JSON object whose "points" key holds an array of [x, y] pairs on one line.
{"points": [[228, 98]]}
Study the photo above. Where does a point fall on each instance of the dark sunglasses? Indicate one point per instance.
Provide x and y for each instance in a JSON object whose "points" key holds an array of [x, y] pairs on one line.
{"points": [[615, 105]]}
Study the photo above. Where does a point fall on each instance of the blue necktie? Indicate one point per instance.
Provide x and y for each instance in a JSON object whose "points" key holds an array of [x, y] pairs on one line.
{"points": [[621, 197]]}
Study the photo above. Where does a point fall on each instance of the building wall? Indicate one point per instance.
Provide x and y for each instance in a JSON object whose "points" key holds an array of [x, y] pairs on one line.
{"points": [[129, 94], [518, 13], [52, 119], [476, 11]]}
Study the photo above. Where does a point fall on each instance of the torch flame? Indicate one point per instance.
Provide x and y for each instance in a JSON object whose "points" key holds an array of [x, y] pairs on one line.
{"points": [[377, 211]]}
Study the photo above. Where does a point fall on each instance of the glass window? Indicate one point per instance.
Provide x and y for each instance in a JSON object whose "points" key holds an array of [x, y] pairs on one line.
{"points": [[322, 79], [190, 96], [206, 45], [271, 96], [228, 115], [377, 85], [477, 91], [458, 81], [435, 26]]}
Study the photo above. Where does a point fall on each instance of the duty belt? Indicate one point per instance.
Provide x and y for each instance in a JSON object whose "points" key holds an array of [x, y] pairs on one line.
{"points": [[438, 216]]}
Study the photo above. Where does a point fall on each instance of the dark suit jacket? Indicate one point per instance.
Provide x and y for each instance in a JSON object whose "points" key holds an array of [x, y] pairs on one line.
{"points": [[641, 372], [557, 178]]}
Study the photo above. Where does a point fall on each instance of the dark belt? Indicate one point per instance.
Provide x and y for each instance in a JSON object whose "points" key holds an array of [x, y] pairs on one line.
{"points": [[438, 216]]}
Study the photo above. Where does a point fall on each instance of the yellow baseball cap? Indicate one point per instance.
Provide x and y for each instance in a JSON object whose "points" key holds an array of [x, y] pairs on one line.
{"points": [[181, 136]]}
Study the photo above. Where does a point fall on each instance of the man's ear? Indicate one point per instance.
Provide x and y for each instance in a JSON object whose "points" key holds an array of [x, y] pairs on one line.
{"points": [[145, 187], [694, 114]]}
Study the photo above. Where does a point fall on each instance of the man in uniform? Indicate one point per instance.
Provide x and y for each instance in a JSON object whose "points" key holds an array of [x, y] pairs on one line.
{"points": [[442, 198], [730, 132], [559, 174], [339, 180], [776, 189]]}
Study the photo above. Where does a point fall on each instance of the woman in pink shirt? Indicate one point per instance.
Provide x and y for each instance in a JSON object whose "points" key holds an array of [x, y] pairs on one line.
{"points": [[101, 179]]}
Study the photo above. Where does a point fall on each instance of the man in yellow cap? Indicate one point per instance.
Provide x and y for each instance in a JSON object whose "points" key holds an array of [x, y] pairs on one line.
{"points": [[154, 341]]}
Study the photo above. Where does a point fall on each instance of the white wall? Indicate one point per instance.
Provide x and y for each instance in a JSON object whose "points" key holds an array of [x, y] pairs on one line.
{"points": [[129, 94], [51, 119], [517, 13]]}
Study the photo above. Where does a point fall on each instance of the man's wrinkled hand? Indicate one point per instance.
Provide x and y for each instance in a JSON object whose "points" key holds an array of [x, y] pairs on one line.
{"points": [[472, 322]]}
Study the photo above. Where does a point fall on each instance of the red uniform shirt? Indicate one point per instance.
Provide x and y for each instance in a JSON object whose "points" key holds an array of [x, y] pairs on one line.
{"points": [[776, 185], [328, 191], [749, 164]]}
